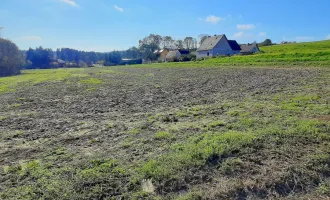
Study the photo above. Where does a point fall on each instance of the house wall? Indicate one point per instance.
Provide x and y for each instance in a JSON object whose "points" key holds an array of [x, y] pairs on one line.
{"points": [[235, 52], [202, 54], [222, 48], [177, 55], [163, 54], [255, 50]]}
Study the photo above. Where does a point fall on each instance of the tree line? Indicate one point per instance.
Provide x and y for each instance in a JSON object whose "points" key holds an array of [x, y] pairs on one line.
{"points": [[47, 58], [12, 59], [153, 42]]}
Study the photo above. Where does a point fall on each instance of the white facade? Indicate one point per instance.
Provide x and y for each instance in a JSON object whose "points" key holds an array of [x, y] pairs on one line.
{"points": [[222, 48], [202, 54]]}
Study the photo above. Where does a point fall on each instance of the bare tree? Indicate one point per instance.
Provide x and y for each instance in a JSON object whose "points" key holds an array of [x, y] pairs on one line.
{"points": [[151, 39], [179, 44], [167, 41], [195, 43], [188, 42]]}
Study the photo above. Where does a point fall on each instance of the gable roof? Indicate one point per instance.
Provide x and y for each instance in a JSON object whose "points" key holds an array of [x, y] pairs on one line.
{"points": [[234, 45], [172, 54], [248, 48], [210, 42]]}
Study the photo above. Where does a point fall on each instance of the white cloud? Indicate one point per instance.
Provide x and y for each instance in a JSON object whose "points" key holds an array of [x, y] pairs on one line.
{"points": [[70, 2], [304, 38], [246, 26], [119, 8], [30, 38], [241, 35], [213, 19], [262, 34], [328, 37]]}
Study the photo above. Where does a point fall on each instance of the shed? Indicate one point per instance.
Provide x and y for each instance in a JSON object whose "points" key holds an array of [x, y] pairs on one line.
{"points": [[172, 55], [249, 48]]}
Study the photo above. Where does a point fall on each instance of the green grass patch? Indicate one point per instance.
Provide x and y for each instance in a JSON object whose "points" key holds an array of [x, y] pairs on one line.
{"points": [[91, 81], [216, 124], [34, 77], [197, 152], [3, 118], [163, 135], [134, 131], [15, 105]]}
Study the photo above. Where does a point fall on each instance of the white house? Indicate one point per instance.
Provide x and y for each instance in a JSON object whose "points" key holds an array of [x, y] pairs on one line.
{"points": [[218, 45]]}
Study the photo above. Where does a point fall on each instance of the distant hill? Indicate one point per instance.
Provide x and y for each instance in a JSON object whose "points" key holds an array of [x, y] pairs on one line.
{"points": [[305, 47], [298, 54]]}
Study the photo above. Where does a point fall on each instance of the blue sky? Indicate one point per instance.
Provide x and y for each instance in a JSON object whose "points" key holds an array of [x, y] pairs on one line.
{"points": [[105, 25]]}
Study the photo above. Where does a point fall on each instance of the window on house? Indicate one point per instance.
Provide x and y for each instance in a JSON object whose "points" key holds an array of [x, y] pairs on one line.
{"points": [[208, 53]]}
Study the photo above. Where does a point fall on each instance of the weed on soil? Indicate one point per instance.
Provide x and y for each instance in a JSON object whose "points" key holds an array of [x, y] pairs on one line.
{"points": [[165, 133]]}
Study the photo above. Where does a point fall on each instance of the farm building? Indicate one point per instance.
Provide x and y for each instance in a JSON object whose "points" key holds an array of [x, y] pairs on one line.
{"points": [[61, 63], [218, 45], [172, 55], [249, 49], [162, 54]]}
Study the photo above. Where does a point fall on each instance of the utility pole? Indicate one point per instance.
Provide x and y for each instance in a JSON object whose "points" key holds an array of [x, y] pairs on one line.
{"points": [[1, 28]]}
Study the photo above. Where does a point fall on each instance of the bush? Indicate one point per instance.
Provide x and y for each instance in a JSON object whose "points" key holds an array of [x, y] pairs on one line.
{"points": [[53, 65], [11, 58], [108, 64], [187, 58], [72, 65]]}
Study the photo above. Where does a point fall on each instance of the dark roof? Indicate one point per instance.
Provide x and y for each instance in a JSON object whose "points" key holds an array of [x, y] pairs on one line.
{"points": [[248, 48], [210, 42], [234, 45], [184, 51]]}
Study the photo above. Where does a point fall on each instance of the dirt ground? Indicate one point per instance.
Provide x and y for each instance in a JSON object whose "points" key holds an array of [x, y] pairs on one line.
{"points": [[116, 113]]}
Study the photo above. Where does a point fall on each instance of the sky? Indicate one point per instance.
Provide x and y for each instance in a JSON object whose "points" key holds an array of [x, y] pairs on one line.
{"points": [[106, 25]]}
